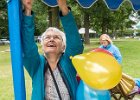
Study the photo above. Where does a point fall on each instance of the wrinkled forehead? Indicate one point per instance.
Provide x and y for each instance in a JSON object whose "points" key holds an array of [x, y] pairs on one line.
{"points": [[50, 32]]}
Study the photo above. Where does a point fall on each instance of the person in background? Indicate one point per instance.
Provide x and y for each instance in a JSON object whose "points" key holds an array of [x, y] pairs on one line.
{"points": [[52, 73], [107, 44]]}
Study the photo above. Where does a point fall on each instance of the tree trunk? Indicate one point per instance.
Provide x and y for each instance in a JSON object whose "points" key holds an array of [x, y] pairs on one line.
{"points": [[86, 25], [53, 17], [50, 16], [104, 26]]}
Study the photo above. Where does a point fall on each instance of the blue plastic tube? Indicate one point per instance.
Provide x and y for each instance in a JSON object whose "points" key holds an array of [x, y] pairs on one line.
{"points": [[14, 22]]}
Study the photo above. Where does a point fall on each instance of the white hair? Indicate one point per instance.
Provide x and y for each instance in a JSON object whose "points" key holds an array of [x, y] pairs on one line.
{"points": [[62, 34]]}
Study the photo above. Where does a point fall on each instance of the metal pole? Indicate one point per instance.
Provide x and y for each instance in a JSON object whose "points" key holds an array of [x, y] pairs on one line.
{"points": [[14, 21]]}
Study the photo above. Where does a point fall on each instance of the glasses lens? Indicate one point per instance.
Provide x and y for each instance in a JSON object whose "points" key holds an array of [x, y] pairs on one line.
{"points": [[55, 37]]}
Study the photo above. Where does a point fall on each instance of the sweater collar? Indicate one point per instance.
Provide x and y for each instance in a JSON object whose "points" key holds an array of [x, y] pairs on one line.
{"points": [[107, 47]]}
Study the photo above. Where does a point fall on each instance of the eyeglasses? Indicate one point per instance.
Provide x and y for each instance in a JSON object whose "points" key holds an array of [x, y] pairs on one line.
{"points": [[103, 40], [55, 37]]}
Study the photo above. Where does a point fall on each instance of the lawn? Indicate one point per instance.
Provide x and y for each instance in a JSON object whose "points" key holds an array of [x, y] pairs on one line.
{"points": [[130, 49]]}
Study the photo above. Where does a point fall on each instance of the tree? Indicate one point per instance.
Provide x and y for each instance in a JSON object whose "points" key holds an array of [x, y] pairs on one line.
{"points": [[41, 16], [3, 19], [97, 17], [110, 21], [87, 27], [55, 18], [45, 16]]}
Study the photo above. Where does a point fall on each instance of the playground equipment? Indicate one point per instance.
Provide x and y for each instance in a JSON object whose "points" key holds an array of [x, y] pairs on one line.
{"points": [[14, 17]]}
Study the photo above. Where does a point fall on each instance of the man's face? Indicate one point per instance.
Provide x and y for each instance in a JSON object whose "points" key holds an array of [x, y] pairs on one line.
{"points": [[53, 43]]}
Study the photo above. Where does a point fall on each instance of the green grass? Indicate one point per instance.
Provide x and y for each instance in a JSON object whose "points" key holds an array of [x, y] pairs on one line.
{"points": [[6, 81], [131, 56], [130, 49], [6, 91]]}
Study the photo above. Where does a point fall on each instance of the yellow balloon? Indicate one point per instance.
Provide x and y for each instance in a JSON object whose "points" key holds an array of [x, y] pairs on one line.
{"points": [[98, 70]]}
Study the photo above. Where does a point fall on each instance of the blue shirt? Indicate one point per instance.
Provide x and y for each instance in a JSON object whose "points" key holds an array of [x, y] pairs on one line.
{"points": [[114, 50]]}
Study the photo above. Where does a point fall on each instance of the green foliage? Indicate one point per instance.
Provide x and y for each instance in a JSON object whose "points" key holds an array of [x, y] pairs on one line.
{"points": [[2, 4], [3, 19], [109, 21], [101, 19], [41, 16]]}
